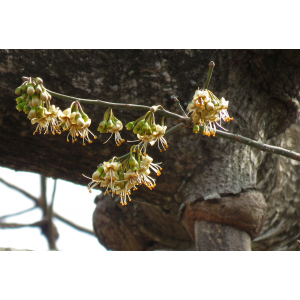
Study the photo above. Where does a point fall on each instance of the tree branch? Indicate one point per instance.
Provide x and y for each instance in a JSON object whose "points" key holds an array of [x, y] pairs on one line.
{"points": [[160, 111], [36, 200], [16, 225], [18, 213], [86, 230], [258, 145]]}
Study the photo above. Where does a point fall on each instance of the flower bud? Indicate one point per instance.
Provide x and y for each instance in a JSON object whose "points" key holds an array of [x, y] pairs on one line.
{"points": [[146, 128], [20, 106], [109, 125], [32, 114], [196, 128], [96, 176], [209, 106], [24, 96], [30, 89], [35, 101], [102, 127], [27, 108], [38, 89], [38, 80], [24, 87], [140, 124], [132, 161], [44, 96], [19, 100], [130, 125], [136, 130], [18, 91]]}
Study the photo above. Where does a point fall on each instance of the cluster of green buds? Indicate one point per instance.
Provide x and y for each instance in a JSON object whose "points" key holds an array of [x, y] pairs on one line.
{"points": [[34, 100], [111, 124], [77, 122], [121, 175], [149, 132], [206, 110]]}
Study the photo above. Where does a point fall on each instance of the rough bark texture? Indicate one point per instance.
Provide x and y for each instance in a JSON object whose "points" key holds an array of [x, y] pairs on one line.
{"points": [[263, 90]]}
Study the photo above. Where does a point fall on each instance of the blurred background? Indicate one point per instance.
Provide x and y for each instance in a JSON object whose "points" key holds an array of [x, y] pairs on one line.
{"points": [[77, 209]]}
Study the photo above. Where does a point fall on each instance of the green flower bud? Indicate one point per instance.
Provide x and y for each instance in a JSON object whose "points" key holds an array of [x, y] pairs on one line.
{"points": [[30, 89], [38, 89], [24, 88], [96, 176], [39, 112], [19, 100], [27, 108], [24, 95], [140, 124], [20, 106], [130, 125], [136, 130], [146, 128], [196, 128], [102, 127], [38, 80], [132, 161], [100, 169], [18, 91], [153, 128], [109, 125]]}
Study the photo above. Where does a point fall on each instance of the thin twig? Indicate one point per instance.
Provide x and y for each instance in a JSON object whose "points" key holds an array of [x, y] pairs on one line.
{"points": [[36, 200], [263, 147], [70, 223], [18, 213], [160, 111], [180, 107], [16, 225]]}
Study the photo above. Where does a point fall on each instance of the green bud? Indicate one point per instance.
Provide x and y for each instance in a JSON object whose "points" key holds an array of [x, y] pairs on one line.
{"points": [[18, 91], [38, 89], [24, 88], [146, 128], [24, 95], [19, 100], [130, 125], [38, 80], [136, 130], [196, 128], [132, 161], [20, 106], [153, 128], [39, 112], [84, 117], [109, 125], [27, 108], [30, 89], [102, 127], [140, 123], [100, 169]]}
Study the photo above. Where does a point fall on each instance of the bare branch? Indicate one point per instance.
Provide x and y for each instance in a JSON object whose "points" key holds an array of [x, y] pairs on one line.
{"points": [[16, 225], [86, 230], [18, 213], [36, 201], [258, 145]]}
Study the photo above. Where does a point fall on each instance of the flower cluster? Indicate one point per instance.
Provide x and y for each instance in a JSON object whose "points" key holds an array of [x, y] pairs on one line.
{"points": [[34, 100], [119, 175], [207, 110], [149, 132], [111, 124]]}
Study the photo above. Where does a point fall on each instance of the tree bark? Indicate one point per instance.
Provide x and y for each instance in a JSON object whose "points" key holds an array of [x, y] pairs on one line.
{"points": [[261, 85]]}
